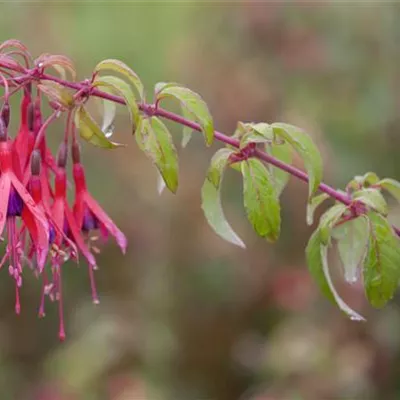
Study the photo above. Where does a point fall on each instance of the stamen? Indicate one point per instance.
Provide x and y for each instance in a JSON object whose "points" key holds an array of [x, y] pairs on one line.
{"points": [[95, 297], [15, 268], [42, 313], [61, 331], [17, 301]]}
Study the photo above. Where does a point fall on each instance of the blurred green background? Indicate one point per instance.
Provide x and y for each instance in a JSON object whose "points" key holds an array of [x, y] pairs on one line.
{"points": [[184, 315]]}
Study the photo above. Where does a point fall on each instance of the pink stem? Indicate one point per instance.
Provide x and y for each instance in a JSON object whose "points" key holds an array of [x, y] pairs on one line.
{"points": [[151, 110]]}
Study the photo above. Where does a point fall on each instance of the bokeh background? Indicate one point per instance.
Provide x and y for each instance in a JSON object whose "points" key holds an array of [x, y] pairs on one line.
{"points": [[184, 315]]}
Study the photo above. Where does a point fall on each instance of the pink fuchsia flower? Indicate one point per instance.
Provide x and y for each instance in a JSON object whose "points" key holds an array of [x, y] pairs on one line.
{"points": [[89, 216], [88, 213], [69, 250], [15, 201], [64, 221]]}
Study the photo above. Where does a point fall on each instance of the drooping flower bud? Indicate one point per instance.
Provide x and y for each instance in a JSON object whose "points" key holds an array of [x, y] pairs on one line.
{"points": [[5, 114], [35, 163], [62, 155], [3, 130], [76, 153]]}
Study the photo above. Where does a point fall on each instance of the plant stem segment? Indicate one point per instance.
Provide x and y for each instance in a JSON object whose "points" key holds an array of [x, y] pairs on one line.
{"points": [[157, 111]]}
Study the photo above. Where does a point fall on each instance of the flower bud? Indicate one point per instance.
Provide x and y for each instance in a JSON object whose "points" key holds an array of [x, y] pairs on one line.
{"points": [[62, 155], [5, 114], [76, 153], [3, 130], [35, 163]]}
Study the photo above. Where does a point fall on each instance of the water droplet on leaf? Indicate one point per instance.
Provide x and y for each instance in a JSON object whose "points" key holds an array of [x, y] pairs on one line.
{"points": [[108, 131]]}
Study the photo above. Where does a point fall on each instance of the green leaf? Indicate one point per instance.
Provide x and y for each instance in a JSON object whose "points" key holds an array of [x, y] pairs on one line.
{"points": [[370, 178], [328, 221], [352, 242], [236, 166], [256, 133], [211, 198], [313, 204], [160, 183], [187, 132], [382, 264], [314, 262], [260, 199], [392, 186], [194, 104], [217, 166], [283, 152], [155, 140], [159, 86], [124, 70], [90, 131], [305, 147], [241, 129], [372, 198], [317, 261], [120, 87]]}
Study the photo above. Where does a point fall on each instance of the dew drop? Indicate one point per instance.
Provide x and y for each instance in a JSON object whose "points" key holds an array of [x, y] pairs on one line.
{"points": [[108, 131]]}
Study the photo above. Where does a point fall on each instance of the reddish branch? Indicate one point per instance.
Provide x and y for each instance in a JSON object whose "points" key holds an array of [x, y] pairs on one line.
{"points": [[150, 109]]}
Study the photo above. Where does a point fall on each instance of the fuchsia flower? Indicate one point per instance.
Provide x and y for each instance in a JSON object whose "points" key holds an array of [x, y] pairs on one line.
{"points": [[58, 254], [88, 213], [64, 224], [15, 201], [41, 228]]}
